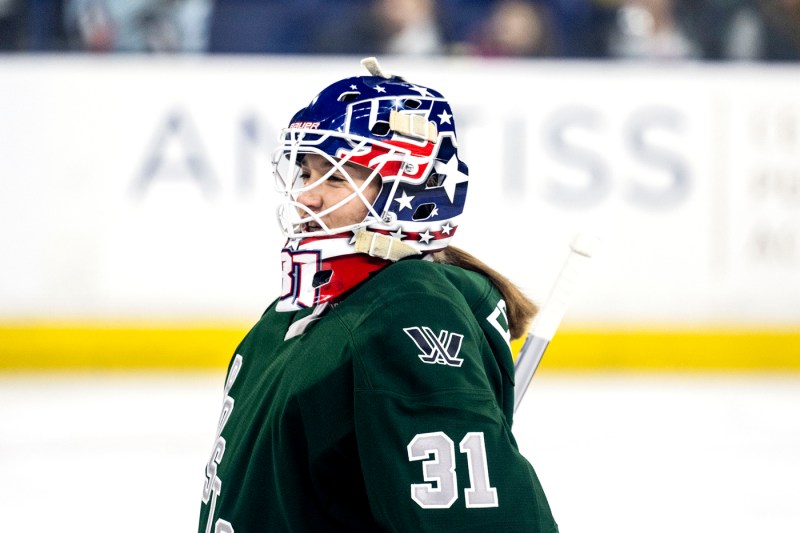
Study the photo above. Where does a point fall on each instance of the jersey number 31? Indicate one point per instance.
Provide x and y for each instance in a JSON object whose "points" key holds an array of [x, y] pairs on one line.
{"points": [[437, 453]]}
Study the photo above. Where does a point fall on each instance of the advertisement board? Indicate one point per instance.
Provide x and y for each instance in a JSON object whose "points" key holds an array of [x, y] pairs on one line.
{"points": [[139, 190]]}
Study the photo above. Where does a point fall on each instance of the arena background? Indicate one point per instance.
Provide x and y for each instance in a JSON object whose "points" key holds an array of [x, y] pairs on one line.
{"points": [[138, 220], [139, 243]]}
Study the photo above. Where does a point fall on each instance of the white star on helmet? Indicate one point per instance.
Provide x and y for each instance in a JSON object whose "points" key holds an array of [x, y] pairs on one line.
{"points": [[452, 176], [425, 237], [404, 201]]}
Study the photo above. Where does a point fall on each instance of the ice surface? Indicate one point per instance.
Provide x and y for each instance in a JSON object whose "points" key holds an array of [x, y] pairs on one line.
{"points": [[615, 453]]}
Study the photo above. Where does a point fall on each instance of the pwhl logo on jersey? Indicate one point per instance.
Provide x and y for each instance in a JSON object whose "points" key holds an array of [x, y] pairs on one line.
{"points": [[442, 349]]}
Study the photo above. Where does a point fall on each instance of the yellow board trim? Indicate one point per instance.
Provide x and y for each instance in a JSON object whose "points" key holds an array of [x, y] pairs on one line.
{"points": [[88, 346], [674, 350], [117, 347]]}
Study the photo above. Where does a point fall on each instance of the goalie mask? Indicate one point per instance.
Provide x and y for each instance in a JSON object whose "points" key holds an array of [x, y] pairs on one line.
{"points": [[388, 148]]}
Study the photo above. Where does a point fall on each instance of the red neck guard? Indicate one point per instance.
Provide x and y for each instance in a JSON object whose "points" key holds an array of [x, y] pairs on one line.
{"points": [[322, 269]]}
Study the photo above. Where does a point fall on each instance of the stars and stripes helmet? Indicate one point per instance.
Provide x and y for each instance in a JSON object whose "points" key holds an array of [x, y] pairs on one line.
{"points": [[405, 134]]}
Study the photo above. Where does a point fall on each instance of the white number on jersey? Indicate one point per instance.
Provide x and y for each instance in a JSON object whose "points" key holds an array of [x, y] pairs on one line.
{"points": [[298, 274], [437, 453]]}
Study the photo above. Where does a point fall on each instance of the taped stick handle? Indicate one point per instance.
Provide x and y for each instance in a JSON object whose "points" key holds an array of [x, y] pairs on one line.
{"points": [[549, 317]]}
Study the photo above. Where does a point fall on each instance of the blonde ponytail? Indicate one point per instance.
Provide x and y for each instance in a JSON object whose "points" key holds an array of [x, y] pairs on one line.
{"points": [[519, 307]]}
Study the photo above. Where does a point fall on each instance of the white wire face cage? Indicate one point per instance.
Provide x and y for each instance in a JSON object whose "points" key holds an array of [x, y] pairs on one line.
{"points": [[298, 220]]}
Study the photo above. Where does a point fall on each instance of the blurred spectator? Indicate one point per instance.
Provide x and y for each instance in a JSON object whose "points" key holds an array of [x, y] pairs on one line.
{"points": [[408, 27], [137, 25], [516, 28], [399, 27], [764, 30], [650, 29]]}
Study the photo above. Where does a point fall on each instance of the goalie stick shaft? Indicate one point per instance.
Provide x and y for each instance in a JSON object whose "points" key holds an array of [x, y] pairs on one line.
{"points": [[527, 362], [549, 317]]}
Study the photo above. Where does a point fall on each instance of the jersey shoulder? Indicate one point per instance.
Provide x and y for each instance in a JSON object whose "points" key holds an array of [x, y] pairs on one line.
{"points": [[407, 283], [420, 327]]}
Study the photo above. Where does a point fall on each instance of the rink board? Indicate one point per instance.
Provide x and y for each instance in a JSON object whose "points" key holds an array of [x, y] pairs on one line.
{"points": [[192, 347]]}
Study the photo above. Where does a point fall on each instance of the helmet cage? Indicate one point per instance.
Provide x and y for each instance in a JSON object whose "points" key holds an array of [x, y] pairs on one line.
{"points": [[387, 162]]}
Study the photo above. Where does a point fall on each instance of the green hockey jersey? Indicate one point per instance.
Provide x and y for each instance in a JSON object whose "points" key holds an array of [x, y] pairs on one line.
{"points": [[390, 412]]}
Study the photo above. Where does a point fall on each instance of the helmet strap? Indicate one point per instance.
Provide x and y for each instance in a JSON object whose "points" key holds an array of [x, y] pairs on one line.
{"points": [[383, 246]]}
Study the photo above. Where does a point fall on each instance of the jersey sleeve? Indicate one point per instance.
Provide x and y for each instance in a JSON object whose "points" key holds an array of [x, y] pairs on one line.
{"points": [[435, 447]]}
